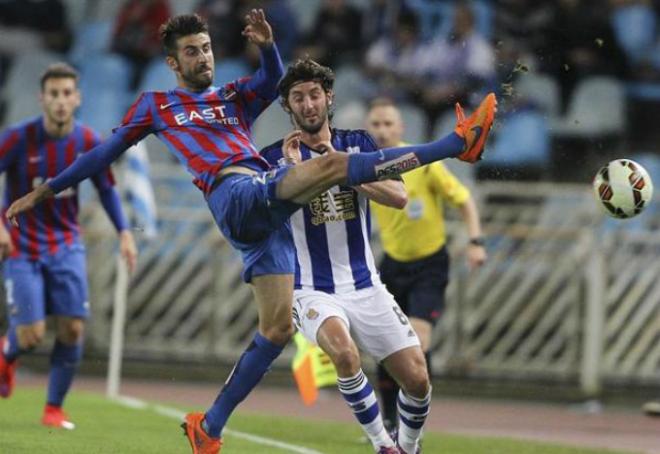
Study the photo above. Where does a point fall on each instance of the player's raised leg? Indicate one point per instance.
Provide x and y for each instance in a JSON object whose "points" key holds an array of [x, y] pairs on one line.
{"points": [[311, 178]]}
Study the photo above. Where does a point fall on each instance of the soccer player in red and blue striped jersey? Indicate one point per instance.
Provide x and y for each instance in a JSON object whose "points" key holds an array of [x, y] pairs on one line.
{"points": [[44, 259], [208, 129]]}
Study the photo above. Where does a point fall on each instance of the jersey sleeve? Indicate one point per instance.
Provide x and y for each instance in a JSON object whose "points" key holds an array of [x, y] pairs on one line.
{"points": [[259, 90], [104, 179], [137, 123], [273, 155], [9, 144], [367, 142], [446, 185]]}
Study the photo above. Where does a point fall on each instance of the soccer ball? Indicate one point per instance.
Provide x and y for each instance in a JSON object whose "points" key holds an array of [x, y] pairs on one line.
{"points": [[623, 188]]}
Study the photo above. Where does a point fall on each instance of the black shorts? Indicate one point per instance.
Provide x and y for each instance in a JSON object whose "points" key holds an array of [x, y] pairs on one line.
{"points": [[419, 286]]}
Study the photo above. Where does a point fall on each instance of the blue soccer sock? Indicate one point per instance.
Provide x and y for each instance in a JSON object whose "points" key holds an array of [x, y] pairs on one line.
{"points": [[390, 162], [360, 396], [412, 416], [11, 350], [248, 371], [64, 360]]}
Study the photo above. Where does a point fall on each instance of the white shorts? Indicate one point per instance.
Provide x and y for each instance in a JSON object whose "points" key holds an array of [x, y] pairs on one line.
{"points": [[373, 318]]}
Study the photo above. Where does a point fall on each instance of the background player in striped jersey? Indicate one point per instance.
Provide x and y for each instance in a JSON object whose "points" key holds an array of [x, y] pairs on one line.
{"points": [[338, 299], [44, 258], [208, 129], [415, 268]]}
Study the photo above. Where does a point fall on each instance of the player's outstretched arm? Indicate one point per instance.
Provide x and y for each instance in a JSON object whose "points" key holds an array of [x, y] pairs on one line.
{"points": [[90, 163], [391, 193], [258, 31]]}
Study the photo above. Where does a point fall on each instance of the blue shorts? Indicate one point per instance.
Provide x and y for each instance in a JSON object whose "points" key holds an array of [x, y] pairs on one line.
{"points": [[52, 285], [255, 222]]}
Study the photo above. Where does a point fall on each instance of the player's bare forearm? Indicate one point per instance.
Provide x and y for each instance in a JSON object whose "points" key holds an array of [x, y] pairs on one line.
{"points": [[128, 249], [28, 202], [391, 193], [470, 216], [476, 252]]}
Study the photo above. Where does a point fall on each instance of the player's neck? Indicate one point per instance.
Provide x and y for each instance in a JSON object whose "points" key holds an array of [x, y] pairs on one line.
{"points": [[57, 129], [314, 140]]}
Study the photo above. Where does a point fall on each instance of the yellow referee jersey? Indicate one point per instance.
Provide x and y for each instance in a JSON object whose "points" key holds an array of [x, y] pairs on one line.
{"points": [[418, 230]]}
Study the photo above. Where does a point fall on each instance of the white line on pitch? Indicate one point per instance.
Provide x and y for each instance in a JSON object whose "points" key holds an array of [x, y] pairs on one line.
{"points": [[173, 413]]}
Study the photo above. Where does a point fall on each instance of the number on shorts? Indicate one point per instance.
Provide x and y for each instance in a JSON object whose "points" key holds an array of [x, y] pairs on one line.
{"points": [[402, 317]]}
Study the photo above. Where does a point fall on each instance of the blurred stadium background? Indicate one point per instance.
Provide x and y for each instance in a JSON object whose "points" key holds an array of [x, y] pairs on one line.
{"points": [[569, 298]]}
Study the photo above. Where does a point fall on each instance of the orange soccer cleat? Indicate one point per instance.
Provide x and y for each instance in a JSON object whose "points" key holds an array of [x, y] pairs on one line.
{"points": [[199, 440], [475, 129], [55, 417], [7, 372]]}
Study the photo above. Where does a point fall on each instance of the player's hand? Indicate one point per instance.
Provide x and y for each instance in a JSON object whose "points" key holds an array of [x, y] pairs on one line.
{"points": [[258, 30], [128, 250], [28, 202], [291, 147], [6, 246], [476, 256], [326, 147]]}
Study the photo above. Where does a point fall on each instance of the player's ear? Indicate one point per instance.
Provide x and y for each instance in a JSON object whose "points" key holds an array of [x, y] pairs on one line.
{"points": [[331, 97], [172, 63]]}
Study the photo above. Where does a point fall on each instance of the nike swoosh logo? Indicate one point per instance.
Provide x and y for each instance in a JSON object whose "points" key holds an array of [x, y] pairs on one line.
{"points": [[477, 130], [381, 155], [165, 106]]}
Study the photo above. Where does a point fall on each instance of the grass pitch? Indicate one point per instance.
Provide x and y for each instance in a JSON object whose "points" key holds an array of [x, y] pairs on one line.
{"points": [[105, 427]]}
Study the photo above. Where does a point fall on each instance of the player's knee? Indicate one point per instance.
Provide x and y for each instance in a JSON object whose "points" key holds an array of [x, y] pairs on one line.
{"points": [[335, 166], [279, 333], [347, 362], [30, 337], [70, 332], [417, 383]]}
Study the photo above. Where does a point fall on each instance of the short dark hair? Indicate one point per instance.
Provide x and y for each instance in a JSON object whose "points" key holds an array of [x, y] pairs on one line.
{"points": [[179, 26], [59, 70], [305, 70], [381, 101]]}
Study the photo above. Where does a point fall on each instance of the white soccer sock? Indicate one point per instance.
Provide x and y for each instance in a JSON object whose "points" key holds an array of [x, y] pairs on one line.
{"points": [[360, 396], [412, 415]]}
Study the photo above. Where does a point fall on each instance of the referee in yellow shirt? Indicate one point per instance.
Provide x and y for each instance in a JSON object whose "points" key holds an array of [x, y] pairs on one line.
{"points": [[415, 268]]}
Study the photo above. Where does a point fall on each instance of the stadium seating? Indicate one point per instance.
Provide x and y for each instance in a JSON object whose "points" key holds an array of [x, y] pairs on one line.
{"points": [[522, 140], [349, 85], [157, 76], [230, 69], [414, 121], [21, 88], [540, 89], [109, 72], [272, 125], [634, 27], [90, 40], [350, 115], [597, 108]]}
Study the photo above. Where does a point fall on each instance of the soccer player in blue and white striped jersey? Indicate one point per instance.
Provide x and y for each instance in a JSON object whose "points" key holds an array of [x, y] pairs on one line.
{"points": [[339, 301]]}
